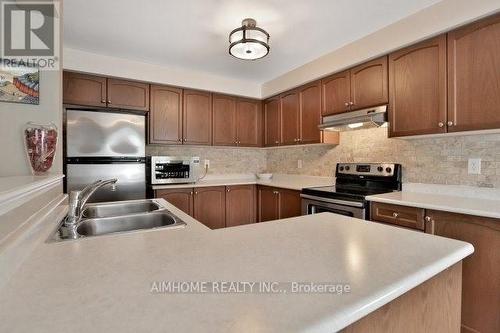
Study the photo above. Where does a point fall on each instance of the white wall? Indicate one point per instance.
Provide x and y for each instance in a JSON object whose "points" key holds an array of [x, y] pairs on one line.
{"points": [[13, 117], [83, 61], [441, 17]]}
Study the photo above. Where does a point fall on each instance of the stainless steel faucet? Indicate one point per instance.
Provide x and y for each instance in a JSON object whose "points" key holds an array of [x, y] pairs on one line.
{"points": [[78, 199]]}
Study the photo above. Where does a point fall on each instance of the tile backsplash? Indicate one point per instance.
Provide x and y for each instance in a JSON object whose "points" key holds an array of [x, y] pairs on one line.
{"points": [[222, 160], [438, 160]]}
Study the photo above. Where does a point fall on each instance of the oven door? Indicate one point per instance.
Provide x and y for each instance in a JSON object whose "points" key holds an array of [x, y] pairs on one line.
{"points": [[314, 205]]}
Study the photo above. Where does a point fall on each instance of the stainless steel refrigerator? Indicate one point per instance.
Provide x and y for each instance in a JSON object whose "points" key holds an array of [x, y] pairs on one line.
{"points": [[103, 145]]}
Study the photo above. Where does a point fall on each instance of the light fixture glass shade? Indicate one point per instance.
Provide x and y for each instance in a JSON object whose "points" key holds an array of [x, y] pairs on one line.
{"points": [[249, 42]]}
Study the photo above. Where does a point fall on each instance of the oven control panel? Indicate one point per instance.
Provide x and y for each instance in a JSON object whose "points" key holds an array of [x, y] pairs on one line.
{"points": [[367, 169]]}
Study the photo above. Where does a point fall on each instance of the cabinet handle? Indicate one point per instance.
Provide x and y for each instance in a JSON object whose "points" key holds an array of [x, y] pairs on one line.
{"points": [[109, 101], [103, 101], [351, 103], [450, 123], [440, 124], [195, 193], [276, 142], [191, 193], [276, 192], [185, 140], [180, 140], [429, 225], [346, 103], [395, 215], [228, 190]]}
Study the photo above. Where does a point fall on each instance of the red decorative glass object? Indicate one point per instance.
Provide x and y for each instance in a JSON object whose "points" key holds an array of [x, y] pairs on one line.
{"points": [[40, 142]]}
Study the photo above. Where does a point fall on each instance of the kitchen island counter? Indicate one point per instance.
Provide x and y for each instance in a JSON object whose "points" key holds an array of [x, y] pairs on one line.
{"points": [[114, 283]]}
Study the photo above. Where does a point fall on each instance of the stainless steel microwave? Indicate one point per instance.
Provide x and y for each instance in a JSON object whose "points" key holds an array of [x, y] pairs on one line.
{"points": [[173, 169]]}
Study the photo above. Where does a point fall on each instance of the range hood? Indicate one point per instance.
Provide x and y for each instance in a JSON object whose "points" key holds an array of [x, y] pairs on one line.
{"points": [[365, 118]]}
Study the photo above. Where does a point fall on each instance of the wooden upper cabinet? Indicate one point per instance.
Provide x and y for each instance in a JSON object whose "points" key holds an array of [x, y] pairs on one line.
{"points": [[336, 93], [310, 112], [129, 95], [197, 117], [248, 122], [210, 206], [82, 89], [481, 270], [417, 80], [240, 205], [369, 84], [224, 113], [289, 118], [272, 122], [474, 76], [181, 198], [165, 117]]}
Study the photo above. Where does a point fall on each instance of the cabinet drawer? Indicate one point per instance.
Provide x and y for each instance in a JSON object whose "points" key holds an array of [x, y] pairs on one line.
{"points": [[409, 217]]}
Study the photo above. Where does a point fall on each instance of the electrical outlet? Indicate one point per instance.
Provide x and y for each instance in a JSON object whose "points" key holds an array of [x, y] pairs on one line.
{"points": [[206, 164], [299, 164], [474, 166]]}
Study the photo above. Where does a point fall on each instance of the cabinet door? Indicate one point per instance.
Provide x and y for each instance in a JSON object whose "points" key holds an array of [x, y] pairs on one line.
{"points": [[197, 117], [181, 198], [129, 95], [248, 123], [310, 113], [474, 76], [336, 93], [210, 206], [369, 84], [408, 217], [289, 203], [165, 117], [481, 270], [240, 205], [289, 118], [268, 203], [224, 113], [82, 89], [417, 79], [272, 125]]}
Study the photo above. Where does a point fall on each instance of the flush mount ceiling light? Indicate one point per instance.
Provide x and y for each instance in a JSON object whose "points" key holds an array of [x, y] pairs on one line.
{"points": [[248, 42]]}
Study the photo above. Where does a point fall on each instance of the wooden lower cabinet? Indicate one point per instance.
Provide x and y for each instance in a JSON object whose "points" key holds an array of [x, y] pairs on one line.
{"points": [[481, 270], [210, 206], [403, 216], [181, 198], [240, 205], [433, 306], [290, 203], [215, 206], [277, 203]]}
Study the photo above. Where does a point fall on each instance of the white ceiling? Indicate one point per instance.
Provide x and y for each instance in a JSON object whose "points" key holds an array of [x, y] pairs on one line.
{"points": [[193, 34]]}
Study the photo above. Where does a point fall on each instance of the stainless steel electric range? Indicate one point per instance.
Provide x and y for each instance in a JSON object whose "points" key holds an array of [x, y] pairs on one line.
{"points": [[354, 181]]}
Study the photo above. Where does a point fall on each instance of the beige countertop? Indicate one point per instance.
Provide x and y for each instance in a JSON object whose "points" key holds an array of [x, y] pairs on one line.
{"points": [[292, 182], [455, 199], [104, 284]]}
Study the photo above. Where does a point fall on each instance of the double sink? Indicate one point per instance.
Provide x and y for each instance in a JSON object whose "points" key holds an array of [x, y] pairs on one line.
{"points": [[118, 217]]}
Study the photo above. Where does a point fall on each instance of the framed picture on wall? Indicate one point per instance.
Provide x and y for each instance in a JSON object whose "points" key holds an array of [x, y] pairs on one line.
{"points": [[19, 83]]}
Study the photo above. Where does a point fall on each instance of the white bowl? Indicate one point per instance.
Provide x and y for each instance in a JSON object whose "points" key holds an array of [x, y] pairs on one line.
{"points": [[265, 176]]}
